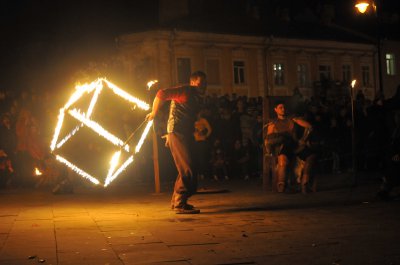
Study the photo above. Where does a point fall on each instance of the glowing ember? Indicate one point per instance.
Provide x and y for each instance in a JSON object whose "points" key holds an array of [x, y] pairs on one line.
{"points": [[95, 89]]}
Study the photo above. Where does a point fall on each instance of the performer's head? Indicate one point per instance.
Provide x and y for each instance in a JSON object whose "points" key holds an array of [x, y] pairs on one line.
{"points": [[279, 108], [199, 80]]}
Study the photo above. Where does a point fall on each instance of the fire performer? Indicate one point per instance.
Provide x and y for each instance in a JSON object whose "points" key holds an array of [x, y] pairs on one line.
{"points": [[282, 142], [185, 104]]}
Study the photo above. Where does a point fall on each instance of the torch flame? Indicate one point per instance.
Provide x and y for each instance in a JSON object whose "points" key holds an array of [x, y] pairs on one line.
{"points": [[37, 172], [353, 83], [151, 83]]}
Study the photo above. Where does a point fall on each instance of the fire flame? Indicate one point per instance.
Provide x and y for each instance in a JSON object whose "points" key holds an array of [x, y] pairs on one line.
{"points": [[353, 83], [97, 87], [151, 83], [37, 172]]}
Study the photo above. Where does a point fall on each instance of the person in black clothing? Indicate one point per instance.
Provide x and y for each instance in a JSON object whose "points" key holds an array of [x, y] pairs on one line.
{"points": [[240, 159], [391, 177], [185, 104]]}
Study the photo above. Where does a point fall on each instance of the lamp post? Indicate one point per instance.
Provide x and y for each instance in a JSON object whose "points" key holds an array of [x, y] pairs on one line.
{"points": [[373, 7], [353, 134]]}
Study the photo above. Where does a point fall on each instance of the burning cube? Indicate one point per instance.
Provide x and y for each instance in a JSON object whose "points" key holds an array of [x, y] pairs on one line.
{"points": [[90, 127]]}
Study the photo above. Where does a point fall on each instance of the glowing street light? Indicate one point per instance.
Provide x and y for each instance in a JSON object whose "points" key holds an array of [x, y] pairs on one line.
{"points": [[364, 6]]}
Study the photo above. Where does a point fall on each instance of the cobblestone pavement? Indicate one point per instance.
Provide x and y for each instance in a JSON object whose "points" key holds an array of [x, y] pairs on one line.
{"points": [[127, 224]]}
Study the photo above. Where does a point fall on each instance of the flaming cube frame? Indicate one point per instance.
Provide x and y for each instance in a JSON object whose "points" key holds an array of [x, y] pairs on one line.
{"points": [[84, 118]]}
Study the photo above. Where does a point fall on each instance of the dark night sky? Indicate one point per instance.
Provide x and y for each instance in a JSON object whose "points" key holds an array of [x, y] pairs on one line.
{"points": [[45, 37], [45, 40]]}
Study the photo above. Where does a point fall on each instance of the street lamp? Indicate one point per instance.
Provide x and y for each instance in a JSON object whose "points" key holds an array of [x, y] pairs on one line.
{"points": [[367, 7]]}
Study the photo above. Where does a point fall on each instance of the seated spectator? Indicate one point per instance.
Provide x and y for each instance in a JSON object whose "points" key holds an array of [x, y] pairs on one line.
{"points": [[281, 142]]}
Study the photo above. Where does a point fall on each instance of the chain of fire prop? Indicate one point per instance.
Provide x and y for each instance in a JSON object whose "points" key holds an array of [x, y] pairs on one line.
{"points": [[85, 120]]}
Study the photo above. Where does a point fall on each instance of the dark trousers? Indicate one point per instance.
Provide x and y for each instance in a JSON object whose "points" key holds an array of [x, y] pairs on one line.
{"points": [[186, 181]]}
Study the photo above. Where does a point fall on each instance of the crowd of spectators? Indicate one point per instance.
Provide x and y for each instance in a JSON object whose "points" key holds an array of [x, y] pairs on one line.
{"points": [[230, 133]]}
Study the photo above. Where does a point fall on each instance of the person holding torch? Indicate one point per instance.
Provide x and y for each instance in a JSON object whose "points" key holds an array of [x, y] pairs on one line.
{"points": [[185, 104]]}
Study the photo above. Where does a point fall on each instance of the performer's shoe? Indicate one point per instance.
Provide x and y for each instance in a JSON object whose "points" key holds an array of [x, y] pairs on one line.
{"points": [[186, 209]]}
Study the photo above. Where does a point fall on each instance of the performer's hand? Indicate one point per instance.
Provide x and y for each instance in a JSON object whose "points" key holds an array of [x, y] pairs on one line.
{"points": [[150, 116], [166, 140]]}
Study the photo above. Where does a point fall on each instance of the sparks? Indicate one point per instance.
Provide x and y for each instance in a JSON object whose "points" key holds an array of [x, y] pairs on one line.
{"points": [[122, 168], [84, 118], [77, 169], [145, 132]]}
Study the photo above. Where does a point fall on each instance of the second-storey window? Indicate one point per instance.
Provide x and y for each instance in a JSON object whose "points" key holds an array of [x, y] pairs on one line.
{"points": [[239, 72], [365, 75], [279, 74], [302, 75], [390, 64], [346, 73], [324, 72]]}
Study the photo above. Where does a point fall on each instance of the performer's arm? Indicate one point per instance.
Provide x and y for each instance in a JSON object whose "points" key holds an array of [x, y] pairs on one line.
{"points": [[302, 123], [176, 93], [307, 129], [157, 103]]}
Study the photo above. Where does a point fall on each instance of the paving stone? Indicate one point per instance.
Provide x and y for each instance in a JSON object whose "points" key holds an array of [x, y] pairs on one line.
{"points": [[245, 226]]}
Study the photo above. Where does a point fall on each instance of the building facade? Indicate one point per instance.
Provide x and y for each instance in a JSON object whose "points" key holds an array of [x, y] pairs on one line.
{"points": [[249, 65]]}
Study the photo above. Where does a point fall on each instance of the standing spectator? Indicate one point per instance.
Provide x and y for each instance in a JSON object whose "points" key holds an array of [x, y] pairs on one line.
{"points": [[391, 177], [240, 160], [219, 161], [202, 132], [258, 136]]}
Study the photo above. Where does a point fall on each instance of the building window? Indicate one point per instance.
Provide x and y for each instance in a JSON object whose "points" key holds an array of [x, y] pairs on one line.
{"points": [[324, 72], [346, 73], [279, 74], [390, 64], [302, 75], [184, 70], [212, 69], [238, 72], [365, 75]]}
